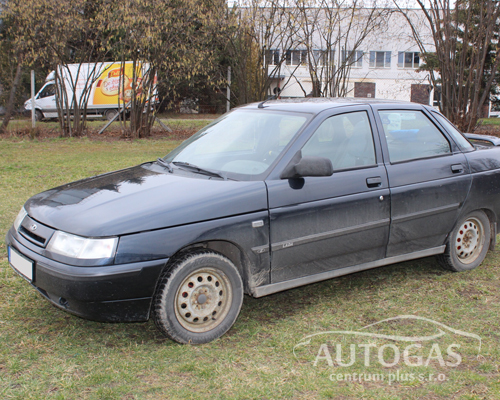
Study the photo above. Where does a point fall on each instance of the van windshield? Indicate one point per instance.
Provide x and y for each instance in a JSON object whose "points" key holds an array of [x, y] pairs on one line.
{"points": [[242, 144]]}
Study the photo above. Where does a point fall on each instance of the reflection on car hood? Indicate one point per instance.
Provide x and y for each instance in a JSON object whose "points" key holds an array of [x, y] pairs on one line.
{"points": [[138, 199]]}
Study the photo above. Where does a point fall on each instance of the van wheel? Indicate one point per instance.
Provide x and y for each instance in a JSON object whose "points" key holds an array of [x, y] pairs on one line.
{"points": [[38, 115], [198, 299], [110, 114], [467, 244]]}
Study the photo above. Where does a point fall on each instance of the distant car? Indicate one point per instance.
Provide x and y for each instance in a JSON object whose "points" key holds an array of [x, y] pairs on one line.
{"points": [[269, 197]]}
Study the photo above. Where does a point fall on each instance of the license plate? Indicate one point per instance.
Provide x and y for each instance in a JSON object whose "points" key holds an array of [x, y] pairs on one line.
{"points": [[20, 263]]}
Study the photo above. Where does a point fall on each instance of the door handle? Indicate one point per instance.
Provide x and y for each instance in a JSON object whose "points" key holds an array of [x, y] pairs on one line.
{"points": [[457, 168], [374, 182]]}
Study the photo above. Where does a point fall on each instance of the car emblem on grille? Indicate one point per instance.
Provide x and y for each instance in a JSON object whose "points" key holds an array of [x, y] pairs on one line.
{"points": [[33, 227]]}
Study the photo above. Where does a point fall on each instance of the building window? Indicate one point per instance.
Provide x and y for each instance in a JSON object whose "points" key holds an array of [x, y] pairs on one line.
{"points": [[272, 57], [380, 59], [354, 58], [296, 57], [436, 101], [408, 59], [323, 57]]}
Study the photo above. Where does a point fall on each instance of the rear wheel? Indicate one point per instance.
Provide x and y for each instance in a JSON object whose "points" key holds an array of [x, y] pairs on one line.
{"points": [[468, 244], [198, 299], [110, 114]]}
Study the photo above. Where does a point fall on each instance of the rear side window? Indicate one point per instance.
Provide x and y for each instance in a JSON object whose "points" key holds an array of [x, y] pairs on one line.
{"points": [[462, 142], [411, 135], [345, 139]]}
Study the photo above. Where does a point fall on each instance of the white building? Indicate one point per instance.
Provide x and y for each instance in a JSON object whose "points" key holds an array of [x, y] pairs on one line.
{"points": [[367, 57]]}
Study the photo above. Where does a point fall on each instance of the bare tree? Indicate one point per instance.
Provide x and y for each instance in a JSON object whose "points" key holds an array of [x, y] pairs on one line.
{"points": [[15, 84], [274, 42], [465, 54], [258, 33], [57, 34], [333, 34], [170, 39], [14, 52]]}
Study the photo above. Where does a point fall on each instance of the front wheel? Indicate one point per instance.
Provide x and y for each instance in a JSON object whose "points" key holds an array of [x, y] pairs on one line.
{"points": [[198, 299], [38, 115], [468, 244]]}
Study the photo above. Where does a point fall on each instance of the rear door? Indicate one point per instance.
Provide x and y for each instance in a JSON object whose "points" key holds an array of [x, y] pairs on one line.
{"points": [[320, 224], [428, 176]]}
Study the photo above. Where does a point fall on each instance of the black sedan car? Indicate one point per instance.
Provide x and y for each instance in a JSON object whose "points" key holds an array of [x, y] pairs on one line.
{"points": [[268, 197]]}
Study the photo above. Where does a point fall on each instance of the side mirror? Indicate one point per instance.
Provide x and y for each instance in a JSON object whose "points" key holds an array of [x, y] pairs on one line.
{"points": [[300, 167]]}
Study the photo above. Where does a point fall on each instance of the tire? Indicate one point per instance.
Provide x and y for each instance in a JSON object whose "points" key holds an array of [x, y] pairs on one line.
{"points": [[38, 115], [110, 114], [467, 244], [198, 299]]}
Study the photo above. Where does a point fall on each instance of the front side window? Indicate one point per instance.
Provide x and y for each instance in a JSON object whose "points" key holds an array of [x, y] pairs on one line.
{"points": [[353, 58], [49, 90], [345, 139], [408, 59], [380, 59], [411, 135], [242, 144]]}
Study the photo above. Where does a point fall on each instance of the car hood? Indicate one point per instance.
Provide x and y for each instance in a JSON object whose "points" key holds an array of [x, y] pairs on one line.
{"points": [[139, 199]]}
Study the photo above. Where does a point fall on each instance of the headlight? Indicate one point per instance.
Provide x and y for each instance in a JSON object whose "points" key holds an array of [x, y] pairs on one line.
{"points": [[19, 219], [79, 247]]}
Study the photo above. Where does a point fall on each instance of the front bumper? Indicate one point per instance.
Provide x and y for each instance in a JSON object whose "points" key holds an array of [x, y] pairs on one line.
{"points": [[113, 293]]}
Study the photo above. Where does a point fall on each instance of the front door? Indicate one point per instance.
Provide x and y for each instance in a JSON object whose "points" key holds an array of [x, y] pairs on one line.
{"points": [[46, 99], [323, 223]]}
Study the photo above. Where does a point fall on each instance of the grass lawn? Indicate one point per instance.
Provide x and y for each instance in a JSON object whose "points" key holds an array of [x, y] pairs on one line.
{"points": [[46, 353], [96, 124], [490, 121]]}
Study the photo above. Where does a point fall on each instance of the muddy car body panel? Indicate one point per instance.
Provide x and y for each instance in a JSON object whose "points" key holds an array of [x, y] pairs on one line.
{"points": [[301, 191]]}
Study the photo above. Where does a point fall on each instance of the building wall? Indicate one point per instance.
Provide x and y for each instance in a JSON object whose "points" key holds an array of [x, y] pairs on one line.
{"points": [[390, 81]]}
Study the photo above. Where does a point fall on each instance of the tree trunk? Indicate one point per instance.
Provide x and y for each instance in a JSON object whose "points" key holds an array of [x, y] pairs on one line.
{"points": [[10, 105]]}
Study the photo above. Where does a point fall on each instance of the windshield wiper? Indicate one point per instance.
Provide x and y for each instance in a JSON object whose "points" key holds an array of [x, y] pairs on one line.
{"points": [[200, 170], [165, 164]]}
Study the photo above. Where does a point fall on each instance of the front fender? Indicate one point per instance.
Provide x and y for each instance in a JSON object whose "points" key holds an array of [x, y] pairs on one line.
{"points": [[244, 231]]}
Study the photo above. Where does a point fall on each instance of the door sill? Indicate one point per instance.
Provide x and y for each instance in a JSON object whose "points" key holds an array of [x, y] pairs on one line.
{"points": [[306, 280]]}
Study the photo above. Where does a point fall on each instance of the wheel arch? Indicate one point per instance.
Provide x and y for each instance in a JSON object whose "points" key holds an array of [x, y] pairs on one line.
{"points": [[226, 248], [493, 226]]}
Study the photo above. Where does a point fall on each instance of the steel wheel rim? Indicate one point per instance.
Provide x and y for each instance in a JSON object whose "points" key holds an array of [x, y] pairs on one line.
{"points": [[469, 240], [203, 300]]}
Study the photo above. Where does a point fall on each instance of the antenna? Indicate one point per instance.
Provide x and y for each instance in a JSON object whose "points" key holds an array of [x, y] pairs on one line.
{"points": [[273, 97]]}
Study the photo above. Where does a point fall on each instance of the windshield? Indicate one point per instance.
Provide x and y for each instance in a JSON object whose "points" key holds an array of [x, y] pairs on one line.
{"points": [[243, 143]]}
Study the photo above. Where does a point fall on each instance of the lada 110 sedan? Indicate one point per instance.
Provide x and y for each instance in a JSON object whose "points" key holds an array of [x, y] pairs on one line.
{"points": [[269, 197]]}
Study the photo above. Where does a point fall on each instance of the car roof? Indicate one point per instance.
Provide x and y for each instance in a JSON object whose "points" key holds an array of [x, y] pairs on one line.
{"points": [[318, 104]]}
